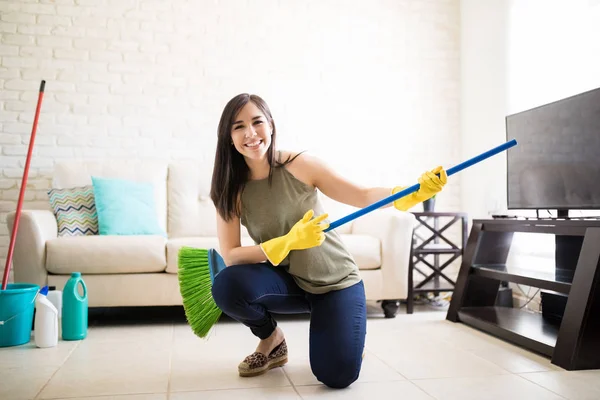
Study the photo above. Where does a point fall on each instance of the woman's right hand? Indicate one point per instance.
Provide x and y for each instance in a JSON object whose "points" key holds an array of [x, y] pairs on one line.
{"points": [[305, 234]]}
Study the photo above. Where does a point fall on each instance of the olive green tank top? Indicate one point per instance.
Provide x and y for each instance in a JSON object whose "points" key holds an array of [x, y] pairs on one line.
{"points": [[270, 211]]}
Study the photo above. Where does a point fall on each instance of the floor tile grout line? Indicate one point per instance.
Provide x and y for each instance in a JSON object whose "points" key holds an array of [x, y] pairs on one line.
{"points": [[500, 343], [171, 361], [384, 363], [100, 396], [37, 396], [423, 390], [543, 387], [486, 376], [226, 389], [458, 377], [471, 352], [291, 383]]}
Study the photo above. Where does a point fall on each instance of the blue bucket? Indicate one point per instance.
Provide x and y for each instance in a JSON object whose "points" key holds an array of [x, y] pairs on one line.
{"points": [[17, 303]]}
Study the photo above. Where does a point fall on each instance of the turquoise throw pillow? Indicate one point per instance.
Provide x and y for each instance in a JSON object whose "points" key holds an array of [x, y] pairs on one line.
{"points": [[125, 207]]}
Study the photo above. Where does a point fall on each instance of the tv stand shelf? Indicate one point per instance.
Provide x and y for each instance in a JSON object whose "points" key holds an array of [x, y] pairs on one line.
{"points": [[515, 325], [523, 276], [574, 343]]}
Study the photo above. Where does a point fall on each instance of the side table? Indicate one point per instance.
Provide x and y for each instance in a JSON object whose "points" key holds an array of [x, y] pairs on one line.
{"points": [[436, 244]]}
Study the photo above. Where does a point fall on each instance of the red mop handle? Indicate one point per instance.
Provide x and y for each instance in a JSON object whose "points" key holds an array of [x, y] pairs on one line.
{"points": [[13, 236]]}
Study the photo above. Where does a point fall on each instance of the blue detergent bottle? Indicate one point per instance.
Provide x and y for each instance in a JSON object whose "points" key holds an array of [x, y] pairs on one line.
{"points": [[74, 309]]}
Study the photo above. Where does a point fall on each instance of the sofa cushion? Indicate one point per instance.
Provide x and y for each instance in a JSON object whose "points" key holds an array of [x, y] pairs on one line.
{"points": [[75, 211], [106, 254], [365, 249], [125, 207], [79, 173], [191, 211], [173, 246]]}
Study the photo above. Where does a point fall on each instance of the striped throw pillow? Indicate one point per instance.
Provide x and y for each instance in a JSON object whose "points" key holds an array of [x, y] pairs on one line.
{"points": [[75, 211]]}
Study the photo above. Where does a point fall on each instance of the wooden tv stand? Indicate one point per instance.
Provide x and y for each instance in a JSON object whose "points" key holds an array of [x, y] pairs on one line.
{"points": [[574, 344]]}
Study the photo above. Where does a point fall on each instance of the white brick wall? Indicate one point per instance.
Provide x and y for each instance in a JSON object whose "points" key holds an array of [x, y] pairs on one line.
{"points": [[348, 80]]}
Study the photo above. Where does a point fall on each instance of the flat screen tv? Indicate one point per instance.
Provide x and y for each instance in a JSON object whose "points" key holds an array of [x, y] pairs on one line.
{"points": [[556, 164]]}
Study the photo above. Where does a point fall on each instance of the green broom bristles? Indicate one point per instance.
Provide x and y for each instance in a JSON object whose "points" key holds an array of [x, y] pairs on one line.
{"points": [[195, 286]]}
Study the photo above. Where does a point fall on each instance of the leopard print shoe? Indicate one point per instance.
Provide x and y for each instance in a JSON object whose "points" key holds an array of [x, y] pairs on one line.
{"points": [[257, 363]]}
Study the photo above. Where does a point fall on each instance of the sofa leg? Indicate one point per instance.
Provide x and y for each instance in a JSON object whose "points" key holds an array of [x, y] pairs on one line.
{"points": [[389, 308]]}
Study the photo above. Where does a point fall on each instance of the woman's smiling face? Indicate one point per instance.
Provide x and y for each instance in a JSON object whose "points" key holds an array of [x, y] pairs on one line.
{"points": [[251, 132]]}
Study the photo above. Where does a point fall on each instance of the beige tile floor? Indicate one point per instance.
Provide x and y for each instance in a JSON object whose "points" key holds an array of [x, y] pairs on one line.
{"points": [[157, 357]]}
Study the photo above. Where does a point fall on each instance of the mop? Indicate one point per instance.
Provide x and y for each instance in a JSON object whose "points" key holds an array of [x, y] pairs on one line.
{"points": [[13, 236]]}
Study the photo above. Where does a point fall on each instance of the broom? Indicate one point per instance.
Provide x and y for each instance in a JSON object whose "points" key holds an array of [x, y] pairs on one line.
{"points": [[197, 268]]}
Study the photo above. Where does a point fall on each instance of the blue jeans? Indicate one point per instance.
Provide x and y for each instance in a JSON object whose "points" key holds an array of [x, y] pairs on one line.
{"points": [[250, 293]]}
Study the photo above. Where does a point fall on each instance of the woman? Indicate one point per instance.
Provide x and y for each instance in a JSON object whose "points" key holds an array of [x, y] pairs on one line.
{"points": [[294, 267]]}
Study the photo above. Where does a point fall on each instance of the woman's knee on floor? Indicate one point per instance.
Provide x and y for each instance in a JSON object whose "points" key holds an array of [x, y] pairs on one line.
{"points": [[336, 374]]}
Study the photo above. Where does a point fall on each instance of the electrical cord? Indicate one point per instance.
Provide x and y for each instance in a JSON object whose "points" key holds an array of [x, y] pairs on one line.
{"points": [[531, 298], [527, 296]]}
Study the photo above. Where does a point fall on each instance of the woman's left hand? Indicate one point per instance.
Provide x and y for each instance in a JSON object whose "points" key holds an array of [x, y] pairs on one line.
{"points": [[431, 184]]}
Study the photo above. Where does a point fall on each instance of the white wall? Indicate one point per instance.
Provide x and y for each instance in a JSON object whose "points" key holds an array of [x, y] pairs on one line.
{"points": [[484, 84], [373, 87], [515, 55], [554, 54]]}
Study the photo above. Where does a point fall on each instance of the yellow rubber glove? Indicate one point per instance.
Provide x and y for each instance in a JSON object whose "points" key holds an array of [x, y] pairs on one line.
{"points": [[305, 234], [430, 183]]}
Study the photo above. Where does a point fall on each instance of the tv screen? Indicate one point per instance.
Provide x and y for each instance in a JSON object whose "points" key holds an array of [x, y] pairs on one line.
{"points": [[556, 164]]}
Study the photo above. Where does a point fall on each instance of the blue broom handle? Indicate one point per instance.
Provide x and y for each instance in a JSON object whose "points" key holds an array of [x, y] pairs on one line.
{"points": [[414, 188]]}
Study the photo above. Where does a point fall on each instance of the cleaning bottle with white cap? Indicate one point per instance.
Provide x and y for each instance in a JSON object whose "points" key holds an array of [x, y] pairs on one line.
{"points": [[46, 321]]}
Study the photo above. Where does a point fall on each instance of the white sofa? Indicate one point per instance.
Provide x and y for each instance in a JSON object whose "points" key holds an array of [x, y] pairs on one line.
{"points": [[142, 270]]}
